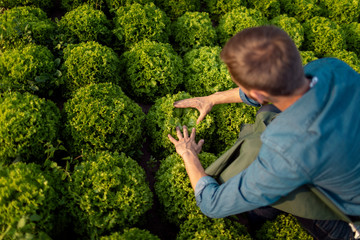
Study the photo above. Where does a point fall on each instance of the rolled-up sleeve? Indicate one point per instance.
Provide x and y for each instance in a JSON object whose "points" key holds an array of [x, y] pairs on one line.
{"points": [[248, 100], [201, 184]]}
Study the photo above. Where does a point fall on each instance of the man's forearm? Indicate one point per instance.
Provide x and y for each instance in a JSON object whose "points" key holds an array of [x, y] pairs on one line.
{"points": [[228, 96], [193, 168]]}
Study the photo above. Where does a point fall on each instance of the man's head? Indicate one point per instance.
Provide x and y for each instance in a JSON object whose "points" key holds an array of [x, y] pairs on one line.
{"points": [[264, 58]]}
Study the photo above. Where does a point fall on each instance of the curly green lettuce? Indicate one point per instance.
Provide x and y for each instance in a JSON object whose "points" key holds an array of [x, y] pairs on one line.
{"points": [[110, 193], [27, 202], [43, 4], [352, 36], [307, 56], [136, 22], [348, 57], [27, 124], [270, 8], [193, 30], [236, 20], [23, 25], [89, 62], [83, 24], [229, 119], [101, 117], [291, 26], [163, 118], [173, 187], [285, 226], [205, 73], [131, 234], [217, 8], [323, 36], [151, 70], [176, 8], [198, 226], [302, 10], [31, 68], [341, 12]]}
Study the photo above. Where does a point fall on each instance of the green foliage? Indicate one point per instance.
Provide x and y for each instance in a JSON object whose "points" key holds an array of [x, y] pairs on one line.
{"points": [[69, 5], [205, 73], [58, 177], [352, 36], [217, 8], [173, 187], [22, 25], [31, 68], [131, 234], [229, 118], [301, 9], [43, 4], [163, 118], [137, 22], [236, 20], [283, 227], [151, 70], [292, 26], [344, 11], [176, 8], [89, 62], [113, 5], [85, 23], [27, 202], [193, 30], [349, 57], [27, 123], [201, 227], [109, 192], [270, 8], [323, 36], [307, 56], [101, 117]]}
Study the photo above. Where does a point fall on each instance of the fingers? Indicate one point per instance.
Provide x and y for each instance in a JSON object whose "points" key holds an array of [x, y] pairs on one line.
{"points": [[185, 132], [193, 133], [201, 117], [173, 140], [201, 143], [178, 133]]}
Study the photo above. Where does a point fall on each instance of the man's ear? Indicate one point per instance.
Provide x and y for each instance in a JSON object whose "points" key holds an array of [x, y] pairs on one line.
{"points": [[259, 95]]}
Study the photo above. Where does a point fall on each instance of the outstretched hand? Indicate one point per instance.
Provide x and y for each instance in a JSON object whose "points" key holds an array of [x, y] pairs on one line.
{"points": [[202, 104], [186, 144]]}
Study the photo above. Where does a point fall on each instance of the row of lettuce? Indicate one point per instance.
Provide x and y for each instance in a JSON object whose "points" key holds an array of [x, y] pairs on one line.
{"points": [[103, 192], [71, 131], [145, 52]]}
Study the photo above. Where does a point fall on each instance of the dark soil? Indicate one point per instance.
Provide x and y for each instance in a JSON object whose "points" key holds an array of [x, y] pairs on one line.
{"points": [[155, 222]]}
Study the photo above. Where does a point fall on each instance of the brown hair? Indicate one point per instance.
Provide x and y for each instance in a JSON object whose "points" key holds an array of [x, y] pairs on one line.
{"points": [[264, 58]]}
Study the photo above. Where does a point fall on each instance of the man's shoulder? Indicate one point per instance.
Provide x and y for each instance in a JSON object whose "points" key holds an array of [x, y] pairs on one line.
{"points": [[329, 66]]}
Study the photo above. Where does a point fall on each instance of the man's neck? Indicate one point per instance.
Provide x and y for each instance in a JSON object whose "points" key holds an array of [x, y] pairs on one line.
{"points": [[284, 102]]}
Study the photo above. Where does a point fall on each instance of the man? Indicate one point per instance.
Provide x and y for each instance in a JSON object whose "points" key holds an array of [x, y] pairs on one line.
{"points": [[314, 140]]}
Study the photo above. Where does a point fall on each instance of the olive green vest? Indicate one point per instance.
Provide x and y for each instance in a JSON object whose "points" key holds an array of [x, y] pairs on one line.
{"points": [[306, 201]]}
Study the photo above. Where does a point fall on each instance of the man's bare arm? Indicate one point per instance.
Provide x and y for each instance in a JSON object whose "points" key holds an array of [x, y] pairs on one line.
{"points": [[206, 103]]}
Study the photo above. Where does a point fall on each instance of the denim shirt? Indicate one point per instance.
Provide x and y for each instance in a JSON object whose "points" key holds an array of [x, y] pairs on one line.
{"points": [[316, 140]]}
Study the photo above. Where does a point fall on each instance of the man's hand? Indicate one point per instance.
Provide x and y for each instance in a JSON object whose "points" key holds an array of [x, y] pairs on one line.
{"points": [[187, 148], [202, 104], [185, 144]]}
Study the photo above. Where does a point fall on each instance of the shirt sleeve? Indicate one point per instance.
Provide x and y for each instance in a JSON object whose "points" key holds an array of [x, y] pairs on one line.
{"points": [[248, 100], [261, 184]]}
